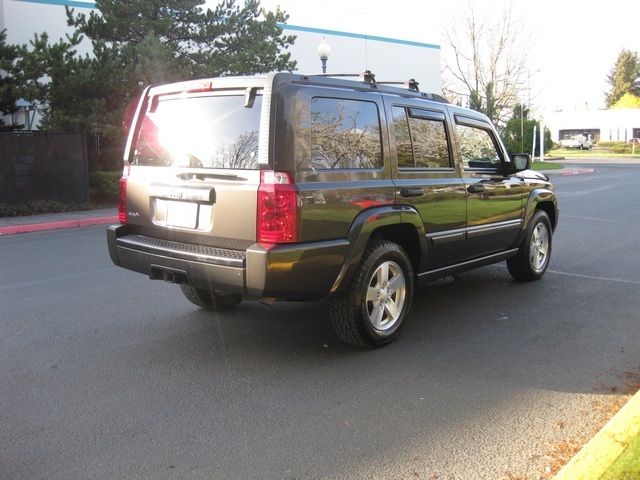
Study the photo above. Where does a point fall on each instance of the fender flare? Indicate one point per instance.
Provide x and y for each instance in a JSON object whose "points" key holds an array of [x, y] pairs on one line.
{"points": [[364, 227], [536, 198]]}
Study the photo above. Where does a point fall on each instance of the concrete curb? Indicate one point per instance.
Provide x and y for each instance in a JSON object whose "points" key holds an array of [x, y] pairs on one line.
{"points": [[75, 223], [578, 172], [603, 450]]}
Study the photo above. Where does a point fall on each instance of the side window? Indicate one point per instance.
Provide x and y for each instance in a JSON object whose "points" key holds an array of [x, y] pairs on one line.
{"points": [[478, 148], [421, 139], [345, 134]]}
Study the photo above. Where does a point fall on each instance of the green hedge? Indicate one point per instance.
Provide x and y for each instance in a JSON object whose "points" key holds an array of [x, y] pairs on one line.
{"points": [[624, 148], [610, 143], [105, 182], [38, 207]]}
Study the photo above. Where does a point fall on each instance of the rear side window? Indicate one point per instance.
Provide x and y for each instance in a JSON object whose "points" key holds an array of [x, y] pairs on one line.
{"points": [[345, 134], [199, 131], [421, 138]]}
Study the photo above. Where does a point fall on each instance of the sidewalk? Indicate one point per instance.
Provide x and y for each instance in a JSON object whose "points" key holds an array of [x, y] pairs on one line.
{"points": [[55, 221]]}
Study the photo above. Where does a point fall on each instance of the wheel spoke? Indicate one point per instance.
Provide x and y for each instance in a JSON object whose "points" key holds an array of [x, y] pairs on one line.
{"points": [[376, 316], [393, 310], [382, 275], [396, 283], [373, 294], [543, 249]]}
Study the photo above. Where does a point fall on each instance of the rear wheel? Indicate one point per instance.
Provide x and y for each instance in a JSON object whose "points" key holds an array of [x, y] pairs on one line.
{"points": [[210, 300], [372, 311], [533, 257]]}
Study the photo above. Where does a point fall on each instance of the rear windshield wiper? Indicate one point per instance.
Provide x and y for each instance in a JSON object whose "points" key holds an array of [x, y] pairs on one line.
{"points": [[205, 176]]}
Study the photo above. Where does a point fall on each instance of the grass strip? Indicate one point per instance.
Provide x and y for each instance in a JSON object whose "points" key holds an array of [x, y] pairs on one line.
{"points": [[627, 465]]}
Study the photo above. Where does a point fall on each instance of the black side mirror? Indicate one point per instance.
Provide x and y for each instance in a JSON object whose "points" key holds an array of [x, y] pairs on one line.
{"points": [[519, 162]]}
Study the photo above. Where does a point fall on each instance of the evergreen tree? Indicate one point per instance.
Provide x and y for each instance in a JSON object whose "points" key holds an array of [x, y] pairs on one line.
{"points": [[225, 40], [62, 84], [137, 43], [624, 77], [9, 84]]}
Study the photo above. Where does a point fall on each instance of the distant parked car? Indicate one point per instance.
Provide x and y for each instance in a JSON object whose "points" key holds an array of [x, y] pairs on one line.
{"points": [[635, 141], [577, 141]]}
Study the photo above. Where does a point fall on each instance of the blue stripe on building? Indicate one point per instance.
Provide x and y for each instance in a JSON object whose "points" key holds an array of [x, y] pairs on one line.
{"points": [[61, 3], [357, 35], [284, 26]]}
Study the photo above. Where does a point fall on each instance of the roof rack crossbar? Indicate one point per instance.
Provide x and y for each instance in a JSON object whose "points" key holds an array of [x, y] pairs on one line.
{"points": [[410, 84], [366, 76]]}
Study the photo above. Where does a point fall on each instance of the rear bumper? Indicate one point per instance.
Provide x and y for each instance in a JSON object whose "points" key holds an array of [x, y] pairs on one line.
{"points": [[293, 272]]}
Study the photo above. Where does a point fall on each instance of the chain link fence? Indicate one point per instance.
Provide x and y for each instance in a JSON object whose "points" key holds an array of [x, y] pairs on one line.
{"points": [[37, 166]]}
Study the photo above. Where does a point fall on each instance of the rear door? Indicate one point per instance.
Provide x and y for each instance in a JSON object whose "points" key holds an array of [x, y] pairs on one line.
{"points": [[425, 176], [193, 172]]}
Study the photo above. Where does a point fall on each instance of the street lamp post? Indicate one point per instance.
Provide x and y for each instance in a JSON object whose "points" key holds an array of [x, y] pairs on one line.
{"points": [[324, 50]]}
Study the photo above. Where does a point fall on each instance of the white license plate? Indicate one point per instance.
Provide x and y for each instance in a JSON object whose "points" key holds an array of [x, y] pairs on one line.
{"points": [[182, 214]]}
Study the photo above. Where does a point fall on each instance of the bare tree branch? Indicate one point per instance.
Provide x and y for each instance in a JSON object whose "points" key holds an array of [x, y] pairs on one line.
{"points": [[489, 56]]}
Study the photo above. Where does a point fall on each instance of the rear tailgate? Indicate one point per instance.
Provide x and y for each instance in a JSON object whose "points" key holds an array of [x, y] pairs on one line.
{"points": [[215, 209], [193, 163]]}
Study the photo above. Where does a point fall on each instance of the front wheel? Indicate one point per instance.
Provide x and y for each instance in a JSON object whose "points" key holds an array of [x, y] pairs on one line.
{"points": [[533, 257], [372, 311]]}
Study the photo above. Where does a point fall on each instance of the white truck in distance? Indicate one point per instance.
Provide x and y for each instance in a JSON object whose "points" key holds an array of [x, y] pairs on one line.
{"points": [[576, 141]]}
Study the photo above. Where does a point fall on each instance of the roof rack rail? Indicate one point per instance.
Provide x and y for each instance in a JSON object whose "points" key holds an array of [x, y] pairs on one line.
{"points": [[368, 77]]}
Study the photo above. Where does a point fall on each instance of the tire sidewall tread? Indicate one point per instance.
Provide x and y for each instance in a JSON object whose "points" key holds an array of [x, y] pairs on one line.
{"points": [[520, 266], [348, 311]]}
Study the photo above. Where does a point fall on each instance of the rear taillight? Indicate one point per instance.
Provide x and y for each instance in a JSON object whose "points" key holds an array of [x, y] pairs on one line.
{"points": [[122, 199], [277, 209]]}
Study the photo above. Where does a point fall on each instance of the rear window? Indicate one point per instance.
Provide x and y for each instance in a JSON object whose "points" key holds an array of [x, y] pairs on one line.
{"points": [[345, 134], [199, 131]]}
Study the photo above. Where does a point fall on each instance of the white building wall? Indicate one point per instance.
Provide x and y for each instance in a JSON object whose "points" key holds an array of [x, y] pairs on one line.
{"points": [[24, 18], [389, 59], [614, 124]]}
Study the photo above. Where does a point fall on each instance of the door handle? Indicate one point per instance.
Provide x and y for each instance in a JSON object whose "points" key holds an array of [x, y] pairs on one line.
{"points": [[475, 188], [412, 192]]}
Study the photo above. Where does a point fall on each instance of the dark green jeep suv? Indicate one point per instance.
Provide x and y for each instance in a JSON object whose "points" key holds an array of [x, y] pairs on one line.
{"points": [[294, 187]]}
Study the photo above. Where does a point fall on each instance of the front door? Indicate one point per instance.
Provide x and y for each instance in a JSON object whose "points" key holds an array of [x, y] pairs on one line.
{"points": [[495, 201]]}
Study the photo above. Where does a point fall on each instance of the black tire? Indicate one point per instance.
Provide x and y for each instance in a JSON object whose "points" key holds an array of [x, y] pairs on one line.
{"points": [[533, 257], [211, 300], [372, 311]]}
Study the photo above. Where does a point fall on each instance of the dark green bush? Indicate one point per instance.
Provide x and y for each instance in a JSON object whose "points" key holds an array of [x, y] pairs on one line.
{"points": [[105, 182], [44, 206]]}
